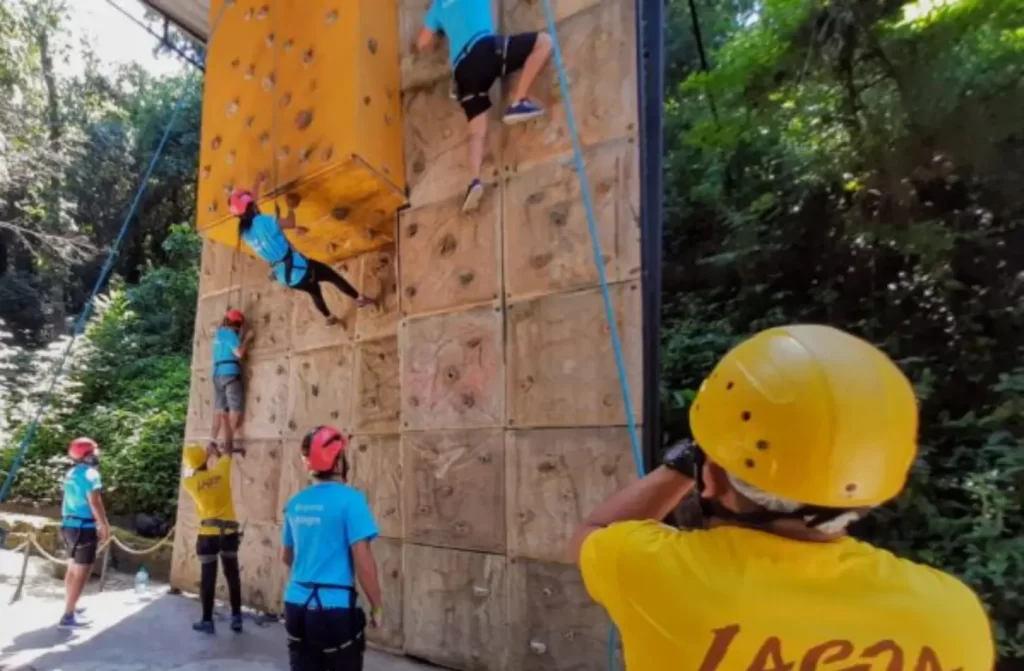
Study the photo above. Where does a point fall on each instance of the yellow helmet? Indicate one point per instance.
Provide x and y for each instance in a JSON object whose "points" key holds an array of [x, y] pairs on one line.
{"points": [[810, 414], [194, 456]]}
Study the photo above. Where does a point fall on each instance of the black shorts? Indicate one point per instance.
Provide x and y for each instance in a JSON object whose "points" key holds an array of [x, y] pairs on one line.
{"points": [[81, 544], [219, 544], [313, 632], [490, 59]]}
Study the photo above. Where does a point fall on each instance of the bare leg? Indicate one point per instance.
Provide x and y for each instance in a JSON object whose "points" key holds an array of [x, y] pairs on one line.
{"points": [[218, 419], [74, 581], [536, 60], [235, 432], [477, 143]]}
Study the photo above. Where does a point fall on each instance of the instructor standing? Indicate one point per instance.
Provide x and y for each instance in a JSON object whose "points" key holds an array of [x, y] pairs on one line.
{"points": [[325, 543]]}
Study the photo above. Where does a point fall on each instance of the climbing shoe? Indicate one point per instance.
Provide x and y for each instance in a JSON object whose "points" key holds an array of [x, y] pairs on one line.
{"points": [[204, 627], [473, 195], [236, 623], [69, 621], [523, 110]]}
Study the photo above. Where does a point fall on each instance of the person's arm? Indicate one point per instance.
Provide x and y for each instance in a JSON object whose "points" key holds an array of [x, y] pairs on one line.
{"points": [[257, 185], [243, 345], [650, 498], [366, 573], [428, 33], [288, 221], [99, 513], [287, 542]]}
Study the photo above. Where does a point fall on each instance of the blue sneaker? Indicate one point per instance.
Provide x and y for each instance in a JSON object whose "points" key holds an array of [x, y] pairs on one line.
{"points": [[204, 627], [473, 195], [236, 623], [521, 111], [68, 621]]}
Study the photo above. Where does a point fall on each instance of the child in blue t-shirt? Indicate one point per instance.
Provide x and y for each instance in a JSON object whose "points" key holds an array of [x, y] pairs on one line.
{"points": [[265, 235], [479, 57]]}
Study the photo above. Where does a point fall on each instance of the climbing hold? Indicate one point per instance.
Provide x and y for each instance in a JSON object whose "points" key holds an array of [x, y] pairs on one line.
{"points": [[387, 119], [340, 213], [249, 121], [215, 143], [292, 200], [312, 86], [229, 189], [262, 14], [366, 100], [235, 63], [372, 45], [447, 246], [328, 154], [212, 207], [268, 82], [250, 72], [206, 171], [332, 17], [307, 57], [270, 40], [303, 119], [231, 108], [285, 100], [249, 13], [264, 140], [306, 154], [287, 46], [231, 157], [412, 229], [283, 153]]}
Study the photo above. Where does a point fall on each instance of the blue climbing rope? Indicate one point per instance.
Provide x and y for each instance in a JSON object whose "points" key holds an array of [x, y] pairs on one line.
{"points": [[83, 317], [588, 205]]}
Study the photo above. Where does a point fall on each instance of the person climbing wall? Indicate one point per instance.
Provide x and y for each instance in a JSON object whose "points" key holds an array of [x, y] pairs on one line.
{"points": [[797, 433], [229, 347], [208, 482], [479, 57], [325, 544], [84, 526], [265, 235]]}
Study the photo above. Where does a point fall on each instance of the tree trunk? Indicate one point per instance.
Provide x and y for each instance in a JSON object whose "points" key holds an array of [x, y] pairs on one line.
{"points": [[52, 223]]}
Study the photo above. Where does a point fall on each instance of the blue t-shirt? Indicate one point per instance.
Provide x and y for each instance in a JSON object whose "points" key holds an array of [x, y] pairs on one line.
{"points": [[322, 523], [267, 239], [225, 342], [463, 22], [79, 482]]}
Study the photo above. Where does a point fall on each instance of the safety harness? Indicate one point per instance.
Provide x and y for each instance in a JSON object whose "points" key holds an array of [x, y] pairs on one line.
{"points": [[314, 596], [500, 47], [223, 526]]}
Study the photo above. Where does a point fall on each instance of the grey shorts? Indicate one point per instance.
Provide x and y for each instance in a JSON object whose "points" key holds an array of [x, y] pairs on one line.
{"points": [[228, 393]]}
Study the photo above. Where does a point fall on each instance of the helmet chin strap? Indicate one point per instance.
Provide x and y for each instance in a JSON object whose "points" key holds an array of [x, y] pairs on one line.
{"points": [[812, 516]]}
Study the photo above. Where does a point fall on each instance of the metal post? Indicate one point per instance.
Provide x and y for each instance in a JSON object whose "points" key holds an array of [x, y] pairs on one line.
{"points": [[651, 66]]}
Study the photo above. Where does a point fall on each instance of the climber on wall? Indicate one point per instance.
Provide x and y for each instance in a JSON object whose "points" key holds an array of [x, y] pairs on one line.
{"points": [[84, 526], [208, 482], [230, 343], [264, 234], [325, 542], [799, 431], [479, 57]]}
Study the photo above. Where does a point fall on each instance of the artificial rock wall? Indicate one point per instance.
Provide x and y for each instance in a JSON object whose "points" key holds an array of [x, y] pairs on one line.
{"points": [[483, 395]]}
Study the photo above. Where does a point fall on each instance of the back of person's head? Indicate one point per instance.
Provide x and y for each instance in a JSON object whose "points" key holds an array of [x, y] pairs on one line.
{"points": [[84, 451], [323, 450], [804, 423]]}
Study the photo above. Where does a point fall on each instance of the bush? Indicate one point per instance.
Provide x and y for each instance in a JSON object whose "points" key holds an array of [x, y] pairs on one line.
{"points": [[127, 387]]}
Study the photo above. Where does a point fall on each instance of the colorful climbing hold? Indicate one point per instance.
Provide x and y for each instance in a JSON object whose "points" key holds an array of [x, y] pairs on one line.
{"points": [[303, 119], [332, 17]]}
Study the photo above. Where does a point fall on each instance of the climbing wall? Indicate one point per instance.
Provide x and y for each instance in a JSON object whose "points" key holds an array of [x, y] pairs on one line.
{"points": [[512, 423], [482, 396]]}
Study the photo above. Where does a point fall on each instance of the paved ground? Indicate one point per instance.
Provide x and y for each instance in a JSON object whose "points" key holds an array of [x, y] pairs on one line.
{"points": [[132, 633]]}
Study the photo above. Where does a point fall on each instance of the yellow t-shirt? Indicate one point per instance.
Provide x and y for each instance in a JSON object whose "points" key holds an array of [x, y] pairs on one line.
{"points": [[210, 489], [737, 599]]}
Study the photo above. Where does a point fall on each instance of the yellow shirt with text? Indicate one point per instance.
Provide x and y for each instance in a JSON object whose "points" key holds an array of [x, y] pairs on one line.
{"points": [[210, 489], [737, 599]]}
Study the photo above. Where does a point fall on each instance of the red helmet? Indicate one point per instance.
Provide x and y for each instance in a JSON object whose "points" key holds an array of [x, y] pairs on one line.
{"points": [[239, 201], [82, 448], [321, 447], [234, 317]]}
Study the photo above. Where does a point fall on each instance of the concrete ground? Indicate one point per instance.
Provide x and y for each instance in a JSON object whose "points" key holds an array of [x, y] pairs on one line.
{"points": [[133, 633]]}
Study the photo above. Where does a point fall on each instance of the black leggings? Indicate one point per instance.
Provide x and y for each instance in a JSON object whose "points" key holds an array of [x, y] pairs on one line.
{"points": [[321, 272], [208, 548]]}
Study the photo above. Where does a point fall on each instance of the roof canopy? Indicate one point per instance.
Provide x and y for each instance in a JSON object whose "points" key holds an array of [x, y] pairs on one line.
{"points": [[192, 16]]}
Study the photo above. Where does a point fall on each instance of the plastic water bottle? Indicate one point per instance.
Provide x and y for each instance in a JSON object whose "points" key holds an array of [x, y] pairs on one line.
{"points": [[142, 581]]}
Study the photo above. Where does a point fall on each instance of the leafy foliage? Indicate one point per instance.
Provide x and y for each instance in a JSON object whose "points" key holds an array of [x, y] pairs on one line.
{"points": [[858, 163]]}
